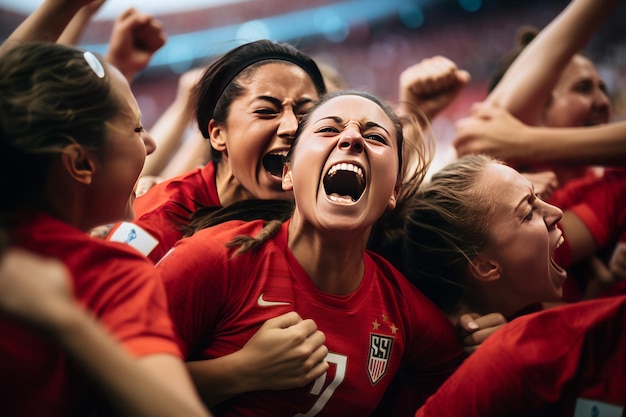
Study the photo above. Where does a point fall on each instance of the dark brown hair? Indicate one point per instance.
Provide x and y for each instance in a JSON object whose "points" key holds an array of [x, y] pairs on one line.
{"points": [[413, 162], [50, 98], [218, 87]]}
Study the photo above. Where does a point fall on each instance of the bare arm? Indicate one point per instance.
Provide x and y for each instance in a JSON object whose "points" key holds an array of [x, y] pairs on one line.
{"points": [[287, 352], [193, 153], [601, 145], [76, 27], [134, 39], [581, 241], [169, 129], [46, 23], [37, 292], [156, 385], [429, 86], [496, 132], [527, 84]]}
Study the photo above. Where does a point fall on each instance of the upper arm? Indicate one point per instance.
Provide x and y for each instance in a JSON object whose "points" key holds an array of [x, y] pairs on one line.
{"points": [[579, 237], [528, 83], [169, 369]]}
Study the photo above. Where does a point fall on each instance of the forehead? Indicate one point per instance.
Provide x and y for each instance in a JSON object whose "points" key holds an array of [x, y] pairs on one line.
{"points": [[502, 184], [577, 68], [279, 77], [122, 92], [353, 108]]}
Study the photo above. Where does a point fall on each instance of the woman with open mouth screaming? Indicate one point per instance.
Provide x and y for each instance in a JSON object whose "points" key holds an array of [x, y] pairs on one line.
{"points": [[479, 240], [345, 169], [249, 102]]}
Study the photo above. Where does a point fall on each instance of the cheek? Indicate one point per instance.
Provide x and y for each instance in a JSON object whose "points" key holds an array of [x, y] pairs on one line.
{"points": [[125, 170], [568, 111], [386, 171], [139, 156], [390, 179], [515, 245], [532, 247], [245, 147]]}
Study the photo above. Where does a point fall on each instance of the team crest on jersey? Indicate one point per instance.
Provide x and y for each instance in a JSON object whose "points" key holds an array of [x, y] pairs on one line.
{"points": [[380, 352]]}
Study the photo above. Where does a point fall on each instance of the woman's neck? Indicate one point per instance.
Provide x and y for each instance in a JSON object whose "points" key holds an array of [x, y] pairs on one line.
{"points": [[229, 189], [333, 260]]}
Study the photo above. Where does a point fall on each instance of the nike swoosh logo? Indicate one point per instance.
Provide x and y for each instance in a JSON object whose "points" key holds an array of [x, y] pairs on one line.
{"points": [[263, 303]]}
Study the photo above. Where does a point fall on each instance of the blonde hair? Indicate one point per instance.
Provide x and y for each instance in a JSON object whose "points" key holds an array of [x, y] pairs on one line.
{"points": [[447, 227]]}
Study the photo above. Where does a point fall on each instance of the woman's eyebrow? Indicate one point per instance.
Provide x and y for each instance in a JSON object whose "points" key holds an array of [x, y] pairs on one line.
{"points": [[336, 119], [525, 200], [271, 99], [374, 124]]}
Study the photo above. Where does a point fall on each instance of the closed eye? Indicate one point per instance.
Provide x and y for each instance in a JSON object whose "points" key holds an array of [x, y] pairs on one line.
{"points": [[327, 129], [377, 138], [303, 108], [603, 88], [529, 216], [584, 87], [266, 111]]}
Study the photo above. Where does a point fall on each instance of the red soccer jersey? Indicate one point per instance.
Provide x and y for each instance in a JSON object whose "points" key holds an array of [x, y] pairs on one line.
{"points": [[118, 285], [600, 202], [564, 361], [386, 325], [162, 211]]}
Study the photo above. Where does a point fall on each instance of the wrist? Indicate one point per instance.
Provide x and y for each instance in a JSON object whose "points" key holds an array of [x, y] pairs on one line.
{"points": [[244, 373]]}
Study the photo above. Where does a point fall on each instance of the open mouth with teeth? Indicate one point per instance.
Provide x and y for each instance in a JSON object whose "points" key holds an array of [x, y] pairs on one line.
{"points": [[555, 265], [344, 183], [273, 163]]}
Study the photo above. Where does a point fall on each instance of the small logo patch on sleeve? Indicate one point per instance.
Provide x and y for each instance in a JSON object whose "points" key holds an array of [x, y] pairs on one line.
{"points": [[592, 408], [136, 237]]}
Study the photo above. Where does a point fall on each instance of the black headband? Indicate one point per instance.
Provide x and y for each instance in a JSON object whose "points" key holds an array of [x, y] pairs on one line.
{"points": [[228, 75], [309, 67]]}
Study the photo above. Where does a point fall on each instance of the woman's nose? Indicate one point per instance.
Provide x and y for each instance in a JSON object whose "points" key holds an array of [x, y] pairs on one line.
{"points": [[149, 142], [288, 125], [551, 214], [351, 139]]}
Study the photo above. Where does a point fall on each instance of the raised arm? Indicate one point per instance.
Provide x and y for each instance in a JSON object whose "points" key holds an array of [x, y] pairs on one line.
{"points": [[428, 87], [76, 27], [135, 37], [527, 83], [169, 130], [46, 23]]}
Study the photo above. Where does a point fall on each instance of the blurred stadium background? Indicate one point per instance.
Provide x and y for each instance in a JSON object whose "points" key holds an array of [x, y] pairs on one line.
{"points": [[368, 41]]}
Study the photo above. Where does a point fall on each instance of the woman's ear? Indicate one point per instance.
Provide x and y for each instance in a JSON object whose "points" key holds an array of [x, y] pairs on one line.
{"points": [[287, 180], [485, 269], [217, 136], [78, 163], [391, 204]]}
